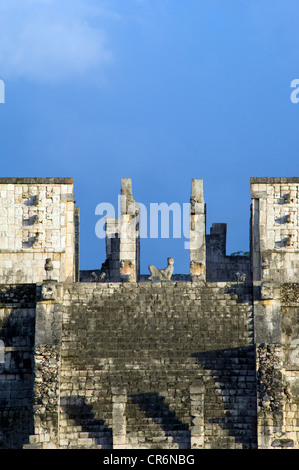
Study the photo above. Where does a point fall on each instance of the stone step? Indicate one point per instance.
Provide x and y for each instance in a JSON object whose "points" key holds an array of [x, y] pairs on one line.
{"points": [[84, 435], [82, 443]]}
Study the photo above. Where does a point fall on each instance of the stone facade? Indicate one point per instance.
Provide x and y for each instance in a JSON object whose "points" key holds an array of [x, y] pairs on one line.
{"points": [[275, 257], [220, 266], [37, 220], [110, 359]]}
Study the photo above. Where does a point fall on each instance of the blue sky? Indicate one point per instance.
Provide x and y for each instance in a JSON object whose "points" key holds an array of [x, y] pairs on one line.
{"points": [[160, 91]]}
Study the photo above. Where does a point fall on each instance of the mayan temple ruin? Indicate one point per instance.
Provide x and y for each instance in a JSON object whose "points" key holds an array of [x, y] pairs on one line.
{"points": [[113, 358]]}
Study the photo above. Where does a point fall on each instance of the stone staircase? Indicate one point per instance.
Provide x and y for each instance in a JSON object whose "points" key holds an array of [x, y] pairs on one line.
{"points": [[79, 429], [152, 425], [155, 341]]}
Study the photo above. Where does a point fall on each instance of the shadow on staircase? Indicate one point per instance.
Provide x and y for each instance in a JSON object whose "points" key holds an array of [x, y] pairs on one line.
{"points": [[82, 414], [155, 408], [232, 372]]}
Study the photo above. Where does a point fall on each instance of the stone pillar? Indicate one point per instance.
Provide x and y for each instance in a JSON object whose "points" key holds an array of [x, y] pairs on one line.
{"points": [[215, 251], [112, 249], [255, 240], [197, 416], [197, 232], [270, 396], [119, 424], [47, 352], [129, 233], [77, 244], [122, 239], [290, 342]]}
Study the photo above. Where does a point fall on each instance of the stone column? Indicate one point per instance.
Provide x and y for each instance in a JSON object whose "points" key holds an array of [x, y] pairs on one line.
{"points": [[197, 416], [129, 234], [112, 248], [47, 352], [270, 396], [119, 424], [122, 238], [197, 232], [77, 244]]}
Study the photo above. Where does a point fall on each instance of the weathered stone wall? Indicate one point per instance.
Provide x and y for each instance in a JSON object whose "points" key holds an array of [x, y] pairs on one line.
{"points": [[93, 275], [139, 362], [275, 242], [220, 266], [290, 355], [275, 267], [37, 222], [17, 321], [47, 352]]}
